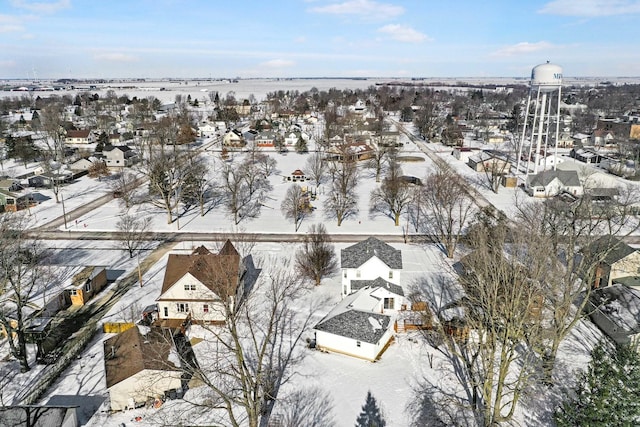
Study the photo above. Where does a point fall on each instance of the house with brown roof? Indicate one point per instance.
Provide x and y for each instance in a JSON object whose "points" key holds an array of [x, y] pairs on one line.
{"points": [[140, 367], [82, 136], [202, 286]]}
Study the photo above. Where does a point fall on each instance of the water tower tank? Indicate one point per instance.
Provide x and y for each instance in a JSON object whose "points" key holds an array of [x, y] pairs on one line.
{"points": [[547, 77]]}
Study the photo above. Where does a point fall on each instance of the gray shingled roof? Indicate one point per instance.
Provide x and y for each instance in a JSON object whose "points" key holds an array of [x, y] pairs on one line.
{"points": [[377, 283], [357, 325], [618, 311], [608, 249], [356, 255], [568, 178]]}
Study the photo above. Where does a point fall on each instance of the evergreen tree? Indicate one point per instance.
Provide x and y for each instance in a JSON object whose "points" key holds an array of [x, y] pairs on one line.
{"points": [[301, 145], [371, 416], [35, 120], [606, 392]]}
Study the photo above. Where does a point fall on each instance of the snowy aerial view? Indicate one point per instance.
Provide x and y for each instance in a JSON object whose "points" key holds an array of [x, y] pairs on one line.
{"points": [[312, 220]]}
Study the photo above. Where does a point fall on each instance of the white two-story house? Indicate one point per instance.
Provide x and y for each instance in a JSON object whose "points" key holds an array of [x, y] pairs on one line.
{"points": [[202, 287], [367, 261]]}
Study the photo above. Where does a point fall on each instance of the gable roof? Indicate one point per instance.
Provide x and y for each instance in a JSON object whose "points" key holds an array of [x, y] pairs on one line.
{"points": [[130, 352], [566, 177], [616, 311], [123, 148], [82, 133], [356, 255], [355, 324], [218, 272], [608, 249], [377, 283]]}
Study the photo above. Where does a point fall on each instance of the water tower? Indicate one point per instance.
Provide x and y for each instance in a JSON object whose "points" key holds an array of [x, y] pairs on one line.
{"points": [[545, 93]]}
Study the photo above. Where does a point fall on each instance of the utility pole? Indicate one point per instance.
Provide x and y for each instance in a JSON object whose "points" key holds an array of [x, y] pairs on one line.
{"points": [[139, 270]]}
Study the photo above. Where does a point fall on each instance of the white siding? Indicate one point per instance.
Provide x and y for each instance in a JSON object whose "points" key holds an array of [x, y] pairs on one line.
{"points": [[370, 270], [195, 298], [147, 384], [339, 344]]}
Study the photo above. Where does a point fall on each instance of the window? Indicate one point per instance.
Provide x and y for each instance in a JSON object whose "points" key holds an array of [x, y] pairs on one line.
{"points": [[390, 274], [344, 274], [189, 286], [357, 343], [388, 303], [166, 312], [182, 307], [73, 292], [205, 308], [357, 273], [87, 286], [344, 289]]}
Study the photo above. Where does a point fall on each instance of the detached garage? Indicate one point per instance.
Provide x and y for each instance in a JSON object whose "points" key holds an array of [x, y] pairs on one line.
{"points": [[140, 368]]}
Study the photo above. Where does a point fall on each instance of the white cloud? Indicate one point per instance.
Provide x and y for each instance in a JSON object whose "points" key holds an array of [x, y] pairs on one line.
{"points": [[362, 8], [591, 8], [10, 28], [277, 63], [42, 6], [10, 24], [115, 57], [522, 48], [403, 34]]}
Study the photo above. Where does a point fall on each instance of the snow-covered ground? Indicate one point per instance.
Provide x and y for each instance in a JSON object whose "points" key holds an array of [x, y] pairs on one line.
{"points": [[391, 380]]}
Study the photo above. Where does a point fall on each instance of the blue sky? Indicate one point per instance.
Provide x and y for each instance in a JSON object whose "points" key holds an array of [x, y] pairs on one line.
{"points": [[316, 38]]}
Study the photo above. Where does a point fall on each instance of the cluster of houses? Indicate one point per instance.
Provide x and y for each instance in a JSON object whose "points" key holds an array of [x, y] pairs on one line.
{"points": [[74, 286], [143, 364], [196, 285]]}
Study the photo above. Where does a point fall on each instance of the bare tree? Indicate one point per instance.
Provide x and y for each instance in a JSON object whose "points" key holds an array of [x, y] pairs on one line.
{"points": [[315, 168], [393, 196], [309, 407], [569, 244], [427, 119], [342, 201], [266, 163], [256, 348], [21, 279], [132, 229], [495, 167], [491, 350], [124, 186], [295, 205], [447, 206], [99, 169], [380, 158], [166, 174], [246, 187], [196, 185], [51, 122], [317, 258]]}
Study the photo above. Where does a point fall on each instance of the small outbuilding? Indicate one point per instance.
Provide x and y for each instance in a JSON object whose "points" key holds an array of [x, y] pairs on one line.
{"points": [[140, 367]]}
